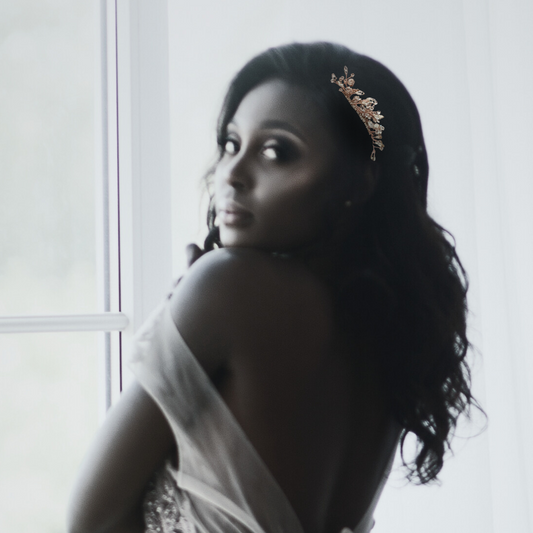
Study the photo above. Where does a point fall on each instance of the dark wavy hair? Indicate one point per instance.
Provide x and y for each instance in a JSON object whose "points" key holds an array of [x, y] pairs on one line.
{"points": [[398, 284]]}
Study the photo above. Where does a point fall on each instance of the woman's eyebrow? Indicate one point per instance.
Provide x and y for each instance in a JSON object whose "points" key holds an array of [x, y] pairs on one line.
{"points": [[281, 124], [277, 124]]}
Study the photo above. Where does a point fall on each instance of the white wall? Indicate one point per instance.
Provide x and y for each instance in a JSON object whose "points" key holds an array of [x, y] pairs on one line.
{"points": [[467, 64]]}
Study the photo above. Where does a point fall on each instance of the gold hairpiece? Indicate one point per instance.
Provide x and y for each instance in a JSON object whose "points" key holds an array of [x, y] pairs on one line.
{"points": [[364, 108]]}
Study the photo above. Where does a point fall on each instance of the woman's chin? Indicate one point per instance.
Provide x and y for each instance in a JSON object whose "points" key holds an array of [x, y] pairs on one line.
{"points": [[240, 242], [232, 237], [240, 238], [232, 242]]}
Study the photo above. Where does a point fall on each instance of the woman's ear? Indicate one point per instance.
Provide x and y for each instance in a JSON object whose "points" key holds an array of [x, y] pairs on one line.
{"points": [[364, 180], [371, 172]]}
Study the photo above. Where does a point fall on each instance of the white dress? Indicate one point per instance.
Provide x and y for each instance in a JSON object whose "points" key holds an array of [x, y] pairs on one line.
{"points": [[222, 485]]}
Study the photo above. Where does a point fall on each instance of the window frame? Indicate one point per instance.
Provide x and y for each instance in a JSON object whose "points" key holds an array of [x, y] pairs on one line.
{"points": [[133, 213]]}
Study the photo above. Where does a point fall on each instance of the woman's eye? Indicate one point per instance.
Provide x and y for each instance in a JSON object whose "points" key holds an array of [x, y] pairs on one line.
{"points": [[230, 147], [271, 153], [280, 151]]}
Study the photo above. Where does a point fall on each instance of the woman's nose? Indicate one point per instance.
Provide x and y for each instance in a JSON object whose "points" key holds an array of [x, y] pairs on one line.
{"points": [[238, 173], [236, 181]]}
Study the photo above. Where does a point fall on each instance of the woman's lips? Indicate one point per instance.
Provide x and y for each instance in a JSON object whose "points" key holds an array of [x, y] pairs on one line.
{"points": [[235, 216]]}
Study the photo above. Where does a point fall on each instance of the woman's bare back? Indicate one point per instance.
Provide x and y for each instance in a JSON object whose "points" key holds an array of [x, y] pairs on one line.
{"points": [[312, 409]]}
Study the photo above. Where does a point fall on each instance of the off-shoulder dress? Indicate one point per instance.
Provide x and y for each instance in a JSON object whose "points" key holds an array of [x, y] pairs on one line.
{"points": [[221, 484]]}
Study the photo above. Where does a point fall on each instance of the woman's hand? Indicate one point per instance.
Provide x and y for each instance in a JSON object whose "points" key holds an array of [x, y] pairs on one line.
{"points": [[192, 252]]}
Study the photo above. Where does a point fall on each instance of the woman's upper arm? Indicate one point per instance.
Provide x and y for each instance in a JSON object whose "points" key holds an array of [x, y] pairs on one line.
{"points": [[229, 302], [136, 437], [133, 441]]}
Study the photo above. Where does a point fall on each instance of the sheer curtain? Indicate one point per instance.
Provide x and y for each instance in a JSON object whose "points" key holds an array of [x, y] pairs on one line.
{"points": [[499, 51], [467, 64]]}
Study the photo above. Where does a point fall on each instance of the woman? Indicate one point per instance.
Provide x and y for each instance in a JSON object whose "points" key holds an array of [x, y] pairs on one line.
{"points": [[288, 363]]}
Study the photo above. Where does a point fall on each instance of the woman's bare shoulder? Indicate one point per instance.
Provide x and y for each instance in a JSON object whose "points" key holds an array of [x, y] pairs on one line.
{"points": [[233, 296], [235, 275]]}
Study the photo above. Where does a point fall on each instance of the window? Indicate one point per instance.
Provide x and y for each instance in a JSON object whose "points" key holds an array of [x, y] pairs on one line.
{"points": [[48, 266], [75, 261]]}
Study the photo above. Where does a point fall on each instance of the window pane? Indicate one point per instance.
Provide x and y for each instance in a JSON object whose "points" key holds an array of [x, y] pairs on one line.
{"points": [[47, 235], [48, 416]]}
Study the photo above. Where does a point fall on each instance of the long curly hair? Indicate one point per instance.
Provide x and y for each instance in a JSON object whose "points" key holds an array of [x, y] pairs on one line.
{"points": [[397, 282]]}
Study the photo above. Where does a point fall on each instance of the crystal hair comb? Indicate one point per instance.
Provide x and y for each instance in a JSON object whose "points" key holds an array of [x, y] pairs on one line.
{"points": [[364, 108]]}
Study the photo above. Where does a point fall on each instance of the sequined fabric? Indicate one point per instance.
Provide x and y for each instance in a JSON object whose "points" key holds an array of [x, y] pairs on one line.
{"points": [[161, 509]]}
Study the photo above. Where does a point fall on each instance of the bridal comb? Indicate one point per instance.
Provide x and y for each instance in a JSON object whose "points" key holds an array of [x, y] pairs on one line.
{"points": [[364, 108]]}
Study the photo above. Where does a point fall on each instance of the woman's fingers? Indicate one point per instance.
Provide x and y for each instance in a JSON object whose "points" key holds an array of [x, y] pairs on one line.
{"points": [[193, 253]]}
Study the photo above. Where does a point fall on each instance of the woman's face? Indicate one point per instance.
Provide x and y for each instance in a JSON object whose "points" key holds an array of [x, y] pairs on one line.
{"points": [[277, 163]]}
